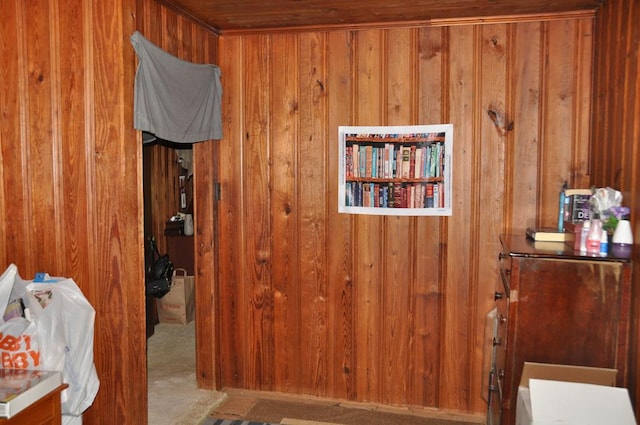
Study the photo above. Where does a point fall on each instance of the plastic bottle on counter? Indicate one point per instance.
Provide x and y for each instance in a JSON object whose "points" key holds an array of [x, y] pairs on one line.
{"points": [[604, 243], [562, 207], [594, 236], [584, 234]]}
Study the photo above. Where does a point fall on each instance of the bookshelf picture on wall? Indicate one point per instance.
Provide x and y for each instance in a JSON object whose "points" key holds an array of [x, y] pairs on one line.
{"points": [[395, 170]]}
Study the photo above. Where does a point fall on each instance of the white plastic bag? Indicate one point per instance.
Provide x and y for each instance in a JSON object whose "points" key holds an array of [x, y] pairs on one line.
{"points": [[19, 347], [59, 335]]}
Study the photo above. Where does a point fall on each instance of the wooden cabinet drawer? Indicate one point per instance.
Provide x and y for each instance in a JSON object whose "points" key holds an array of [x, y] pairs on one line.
{"points": [[558, 307]]}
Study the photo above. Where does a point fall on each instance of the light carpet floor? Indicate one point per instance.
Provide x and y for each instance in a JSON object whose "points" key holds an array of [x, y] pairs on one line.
{"points": [[174, 398]]}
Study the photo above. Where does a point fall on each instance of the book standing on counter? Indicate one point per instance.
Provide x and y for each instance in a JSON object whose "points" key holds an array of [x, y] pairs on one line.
{"points": [[20, 388], [577, 206], [548, 234]]}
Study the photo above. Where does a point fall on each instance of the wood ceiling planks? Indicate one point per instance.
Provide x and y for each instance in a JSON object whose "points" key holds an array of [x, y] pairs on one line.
{"points": [[244, 15]]}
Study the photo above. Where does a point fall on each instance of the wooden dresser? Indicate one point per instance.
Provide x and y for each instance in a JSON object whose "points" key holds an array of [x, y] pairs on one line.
{"points": [[554, 305]]}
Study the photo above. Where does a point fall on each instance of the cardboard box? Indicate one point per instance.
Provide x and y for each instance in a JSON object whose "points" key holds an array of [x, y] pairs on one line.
{"points": [[571, 395]]}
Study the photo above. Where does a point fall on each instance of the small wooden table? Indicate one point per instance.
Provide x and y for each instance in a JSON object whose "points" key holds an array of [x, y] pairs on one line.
{"points": [[46, 411]]}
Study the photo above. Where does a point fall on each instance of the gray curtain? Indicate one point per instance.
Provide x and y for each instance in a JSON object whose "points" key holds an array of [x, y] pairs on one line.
{"points": [[175, 100]]}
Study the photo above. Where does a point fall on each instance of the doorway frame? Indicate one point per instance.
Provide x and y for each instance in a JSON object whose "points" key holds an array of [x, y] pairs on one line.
{"points": [[206, 194]]}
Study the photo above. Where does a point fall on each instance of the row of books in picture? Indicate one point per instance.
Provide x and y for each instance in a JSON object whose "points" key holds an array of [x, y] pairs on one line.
{"points": [[394, 195], [394, 160], [397, 137]]}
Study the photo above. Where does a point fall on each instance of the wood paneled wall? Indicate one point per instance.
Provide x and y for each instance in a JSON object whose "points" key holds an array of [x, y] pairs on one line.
{"points": [[71, 199], [615, 159], [71, 203], [385, 309]]}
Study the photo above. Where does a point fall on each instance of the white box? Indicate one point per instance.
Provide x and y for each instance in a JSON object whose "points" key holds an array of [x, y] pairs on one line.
{"points": [[571, 395]]}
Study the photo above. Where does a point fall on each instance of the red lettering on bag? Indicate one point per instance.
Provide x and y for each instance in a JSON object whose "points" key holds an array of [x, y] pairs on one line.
{"points": [[6, 360], [20, 360], [17, 353], [27, 339], [9, 343], [35, 356]]}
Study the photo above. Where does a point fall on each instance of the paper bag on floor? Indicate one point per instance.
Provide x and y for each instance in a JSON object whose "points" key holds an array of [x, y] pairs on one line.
{"points": [[178, 305]]}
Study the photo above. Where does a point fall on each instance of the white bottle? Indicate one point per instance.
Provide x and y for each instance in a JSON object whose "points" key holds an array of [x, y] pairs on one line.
{"points": [[188, 225], [584, 234], [622, 234]]}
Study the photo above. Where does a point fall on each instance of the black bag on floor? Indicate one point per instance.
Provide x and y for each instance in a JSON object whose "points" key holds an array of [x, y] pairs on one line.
{"points": [[159, 271]]}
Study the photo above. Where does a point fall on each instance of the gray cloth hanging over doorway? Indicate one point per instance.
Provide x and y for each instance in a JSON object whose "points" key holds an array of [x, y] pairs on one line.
{"points": [[174, 99]]}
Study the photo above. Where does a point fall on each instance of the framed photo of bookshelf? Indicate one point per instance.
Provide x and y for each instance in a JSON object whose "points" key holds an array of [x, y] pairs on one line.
{"points": [[395, 170]]}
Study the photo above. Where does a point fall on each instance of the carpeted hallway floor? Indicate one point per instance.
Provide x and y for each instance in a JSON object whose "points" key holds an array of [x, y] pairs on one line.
{"points": [[174, 398]]}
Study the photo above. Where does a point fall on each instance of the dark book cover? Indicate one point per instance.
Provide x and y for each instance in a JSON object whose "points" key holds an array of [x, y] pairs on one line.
{"points": [[579, 207]]}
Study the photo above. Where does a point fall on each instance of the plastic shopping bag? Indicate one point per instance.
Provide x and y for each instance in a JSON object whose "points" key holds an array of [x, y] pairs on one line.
{"points": [[19, 348], [55, 334]]}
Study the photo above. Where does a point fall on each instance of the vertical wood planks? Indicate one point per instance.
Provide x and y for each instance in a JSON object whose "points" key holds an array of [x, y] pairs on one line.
{"points": [[560, 44], [427, 299], [231, 305], [72, 172], [400, 240], [340, 291], [115, 211], [522, 158], [16, 186], [615, 130], [368, 248], [258, 247], [460, 238], [494, 134], [41, 138], [286, 200], [405, 296], [311, 191], [382, 309]]}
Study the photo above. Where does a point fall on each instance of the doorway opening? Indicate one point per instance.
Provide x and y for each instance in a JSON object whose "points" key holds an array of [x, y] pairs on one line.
{"points": [[173, 393]]}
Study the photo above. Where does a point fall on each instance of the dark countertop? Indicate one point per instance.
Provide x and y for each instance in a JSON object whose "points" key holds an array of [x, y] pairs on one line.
{"points": [[521, 246]]}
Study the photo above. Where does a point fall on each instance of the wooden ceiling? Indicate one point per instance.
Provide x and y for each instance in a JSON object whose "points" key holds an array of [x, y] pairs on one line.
{"points": [[248, 15]]}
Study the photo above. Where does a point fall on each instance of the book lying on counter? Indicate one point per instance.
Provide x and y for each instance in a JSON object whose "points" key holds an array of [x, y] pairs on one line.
{"points": [[552, 246], [20, 388], [548, 234]]}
